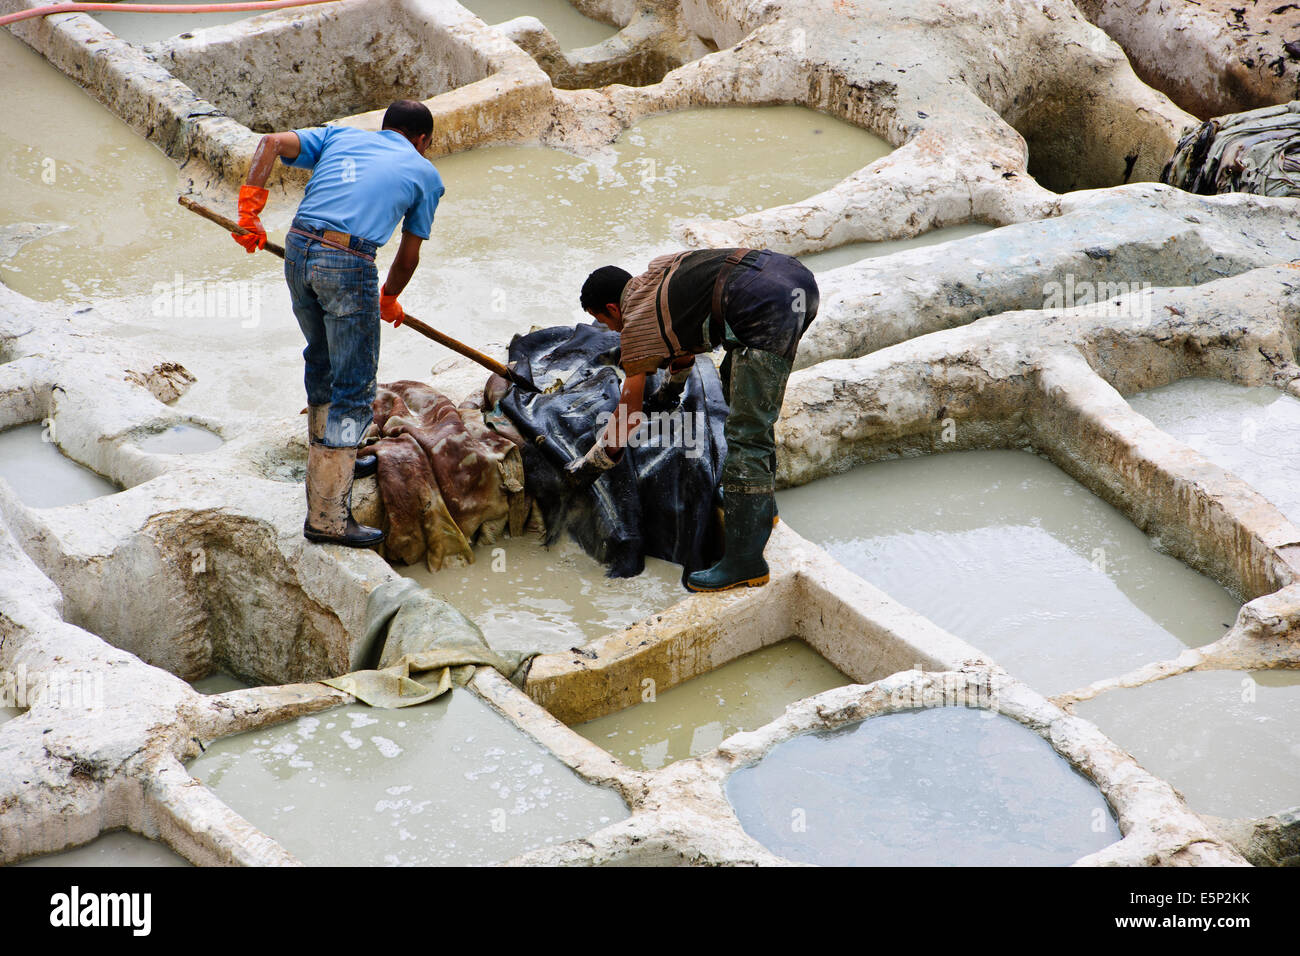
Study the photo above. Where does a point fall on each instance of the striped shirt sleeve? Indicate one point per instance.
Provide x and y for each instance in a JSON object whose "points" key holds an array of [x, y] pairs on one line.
{"points": [[644, 347]]}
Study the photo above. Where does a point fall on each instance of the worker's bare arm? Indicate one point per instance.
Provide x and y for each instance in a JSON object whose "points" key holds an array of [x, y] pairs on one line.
{"points": [[629, 403], [271, 147], [253, 194], [404, 263]]}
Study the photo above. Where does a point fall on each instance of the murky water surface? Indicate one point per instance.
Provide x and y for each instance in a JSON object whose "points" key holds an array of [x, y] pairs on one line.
{"points": [[1008, 552], [446, 783], [569, 27], [142, 28], [942, 787], [694, 717], [218, 682], [1252, 432], [92, 222], [524, 596], [1228, 740], [180, 440], [120, 848], [41, 475]]}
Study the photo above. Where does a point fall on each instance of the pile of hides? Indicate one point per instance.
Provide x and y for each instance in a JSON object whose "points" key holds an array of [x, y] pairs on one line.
{"points": [[449, 476], [1253, 152], [418, 647], [661, 498]]}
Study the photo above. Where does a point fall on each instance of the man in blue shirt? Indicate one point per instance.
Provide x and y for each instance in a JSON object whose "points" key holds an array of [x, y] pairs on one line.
{"points": [[362, 184]]}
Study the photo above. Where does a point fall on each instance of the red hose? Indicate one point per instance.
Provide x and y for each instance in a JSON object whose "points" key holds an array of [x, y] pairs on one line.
{"points": [[262, 5]]}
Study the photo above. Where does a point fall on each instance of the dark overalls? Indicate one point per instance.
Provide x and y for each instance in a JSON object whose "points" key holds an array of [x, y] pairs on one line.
{"points": [[767, 303]]}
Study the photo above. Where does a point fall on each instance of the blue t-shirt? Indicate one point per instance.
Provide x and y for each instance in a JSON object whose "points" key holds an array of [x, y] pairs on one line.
{"points": [[364, 183]]}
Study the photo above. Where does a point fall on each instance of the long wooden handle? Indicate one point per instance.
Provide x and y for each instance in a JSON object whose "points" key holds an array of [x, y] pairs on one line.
{"points": [[428, 331], [228, 224]]}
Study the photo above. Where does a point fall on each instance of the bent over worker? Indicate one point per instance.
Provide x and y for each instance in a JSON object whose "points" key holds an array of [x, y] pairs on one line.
{"points": [[362, 184], [755, 304]]}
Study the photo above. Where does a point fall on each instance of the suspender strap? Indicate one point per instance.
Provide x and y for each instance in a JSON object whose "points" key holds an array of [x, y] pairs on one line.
{"points": [[663, 310], [719, 287], [330, 242]]}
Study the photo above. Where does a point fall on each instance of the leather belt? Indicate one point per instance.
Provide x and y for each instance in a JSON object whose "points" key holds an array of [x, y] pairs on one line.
{"points": [[331, 237]]}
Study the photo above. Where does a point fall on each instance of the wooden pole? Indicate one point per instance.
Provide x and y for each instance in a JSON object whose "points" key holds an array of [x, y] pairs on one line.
{"points": [[428, 331]]}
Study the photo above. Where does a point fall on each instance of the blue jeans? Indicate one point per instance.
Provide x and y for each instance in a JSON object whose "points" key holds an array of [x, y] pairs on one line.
{"points": [[336, 300]]}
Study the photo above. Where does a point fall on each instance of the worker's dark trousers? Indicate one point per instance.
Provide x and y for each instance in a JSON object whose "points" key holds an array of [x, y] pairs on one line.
{"points": [[336, 300], [767, 309]]}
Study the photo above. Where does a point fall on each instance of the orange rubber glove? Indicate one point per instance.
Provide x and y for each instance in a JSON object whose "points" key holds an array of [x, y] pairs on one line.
{"points": [[252, 200], [389, 310]]}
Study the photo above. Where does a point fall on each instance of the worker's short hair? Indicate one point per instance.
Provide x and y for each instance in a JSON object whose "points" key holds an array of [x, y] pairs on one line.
{"points": [[603, 288], [410, 117]]}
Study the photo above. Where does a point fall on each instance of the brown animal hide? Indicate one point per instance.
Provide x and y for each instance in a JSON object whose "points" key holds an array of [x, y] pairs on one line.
{"points": [[447, 479], [494, 389]]}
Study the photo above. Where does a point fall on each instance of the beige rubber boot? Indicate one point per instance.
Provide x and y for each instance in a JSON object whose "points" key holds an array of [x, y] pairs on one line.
{"points": [[316, 415], [329, 500], [366, 465]]}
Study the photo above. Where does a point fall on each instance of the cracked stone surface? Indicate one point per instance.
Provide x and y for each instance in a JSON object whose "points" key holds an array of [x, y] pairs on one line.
{"points": [[1212, 56]]}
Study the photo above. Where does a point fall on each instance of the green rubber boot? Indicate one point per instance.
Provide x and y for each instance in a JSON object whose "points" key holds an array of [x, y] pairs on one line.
{"points": [[749, 520], [722, 496]]}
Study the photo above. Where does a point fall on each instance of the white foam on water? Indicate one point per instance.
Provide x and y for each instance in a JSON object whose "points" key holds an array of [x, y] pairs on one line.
{"points": [[412, 797]]}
